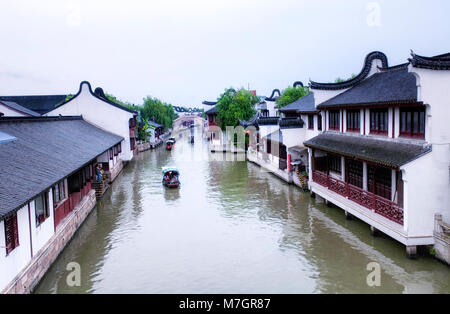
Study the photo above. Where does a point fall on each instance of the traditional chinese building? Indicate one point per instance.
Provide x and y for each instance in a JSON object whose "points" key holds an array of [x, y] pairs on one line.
{"points": [[47, 173], [383, 155], [97, 109]]}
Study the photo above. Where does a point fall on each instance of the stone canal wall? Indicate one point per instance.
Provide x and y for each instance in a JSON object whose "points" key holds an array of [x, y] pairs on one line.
{"points": [[284, 175], [442, 239], [114, 172], [30, 276]]}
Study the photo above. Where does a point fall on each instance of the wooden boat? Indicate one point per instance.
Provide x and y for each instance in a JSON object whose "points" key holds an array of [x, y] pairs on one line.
{"points": [[171, 177], [170, 144]]}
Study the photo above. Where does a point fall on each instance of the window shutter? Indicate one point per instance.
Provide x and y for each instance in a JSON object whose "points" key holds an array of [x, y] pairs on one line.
{"points": [[11, 233], [16, 231]]}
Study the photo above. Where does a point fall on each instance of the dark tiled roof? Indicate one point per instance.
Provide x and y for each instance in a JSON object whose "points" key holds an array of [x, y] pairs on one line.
{"points": [[268, 120], [213, 110], [209, 103], [253, 121], [390, 86], [306, 104], [156, 125], [388, 153], [47, 149], [357, 79], [441, 62], [40, 104], [19, 108], [101, 95], [291, 123]]}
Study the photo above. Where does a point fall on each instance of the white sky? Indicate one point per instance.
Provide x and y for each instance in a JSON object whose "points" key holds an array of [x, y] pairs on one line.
{"points": [[184, 52]]}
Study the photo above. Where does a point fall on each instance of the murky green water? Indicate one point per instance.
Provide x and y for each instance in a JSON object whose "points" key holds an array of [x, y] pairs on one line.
{"points": [[230, 228]]}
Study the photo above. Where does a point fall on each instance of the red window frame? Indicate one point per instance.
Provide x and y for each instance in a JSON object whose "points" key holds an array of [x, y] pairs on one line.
{"points": [[334, 120], [379, 121], [412, 122], [354, 172], [334, 163], [311, 122], [353, 120], [379, 181], [11, 233]]}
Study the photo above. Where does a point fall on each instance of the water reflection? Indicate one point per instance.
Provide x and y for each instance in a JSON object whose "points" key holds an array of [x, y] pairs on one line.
{"points": [[230, 228]]}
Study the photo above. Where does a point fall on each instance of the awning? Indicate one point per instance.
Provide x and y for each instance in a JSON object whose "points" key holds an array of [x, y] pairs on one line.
{"points": [[390, 153]]}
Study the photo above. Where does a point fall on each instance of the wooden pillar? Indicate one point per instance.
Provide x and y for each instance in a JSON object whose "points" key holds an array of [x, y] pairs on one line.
{"points": [[411, 251]]}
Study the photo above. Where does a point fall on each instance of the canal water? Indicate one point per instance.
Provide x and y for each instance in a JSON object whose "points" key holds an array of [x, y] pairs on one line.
{"points": [[230, 228]]}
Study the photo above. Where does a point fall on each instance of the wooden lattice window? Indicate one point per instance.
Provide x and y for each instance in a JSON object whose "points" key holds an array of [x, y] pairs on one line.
{"points": [[334, 163], [379, 181], [354, 173], [335, 120], [353, 120], [412, 122], [379, 121], [311, 122]]}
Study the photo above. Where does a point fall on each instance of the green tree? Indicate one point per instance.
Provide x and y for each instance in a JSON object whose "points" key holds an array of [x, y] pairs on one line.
{"points": [[233, 106], [340, 80], [291, 94], [158, 111]]}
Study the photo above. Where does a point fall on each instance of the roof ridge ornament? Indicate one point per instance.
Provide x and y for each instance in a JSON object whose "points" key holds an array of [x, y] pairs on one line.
{"points": [[272, 96], [439, 62], [375, 55]]}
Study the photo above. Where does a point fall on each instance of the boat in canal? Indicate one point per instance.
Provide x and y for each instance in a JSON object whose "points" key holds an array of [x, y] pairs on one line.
{"points": [[171, 177], [170, 144]]}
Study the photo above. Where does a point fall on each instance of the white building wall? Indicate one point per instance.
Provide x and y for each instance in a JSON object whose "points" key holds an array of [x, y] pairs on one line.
{"points": [[42, 233], [12, 264], [271, 107], [434, 92], [424, 195], [100, 114], [293, 137]]}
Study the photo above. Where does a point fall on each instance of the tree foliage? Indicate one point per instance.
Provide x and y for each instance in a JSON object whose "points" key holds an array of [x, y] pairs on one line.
{"points": [[233, 106], [291, 94], [160, 112], [340, 80]]}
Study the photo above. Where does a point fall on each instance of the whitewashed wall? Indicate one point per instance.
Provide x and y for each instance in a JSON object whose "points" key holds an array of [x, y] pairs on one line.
{"points": [[12, 264], [42, 233], [100, 114], [434, 92]]}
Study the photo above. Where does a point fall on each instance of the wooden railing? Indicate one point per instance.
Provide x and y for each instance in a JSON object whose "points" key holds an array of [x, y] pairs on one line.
{"points": [[374, 202]]}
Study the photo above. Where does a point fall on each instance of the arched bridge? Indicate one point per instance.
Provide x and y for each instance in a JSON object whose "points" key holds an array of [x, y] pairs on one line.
{"points": [[185, 121]]}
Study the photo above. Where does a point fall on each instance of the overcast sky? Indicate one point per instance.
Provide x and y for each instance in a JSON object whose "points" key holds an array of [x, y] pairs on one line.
{"points": [[184, 52]]}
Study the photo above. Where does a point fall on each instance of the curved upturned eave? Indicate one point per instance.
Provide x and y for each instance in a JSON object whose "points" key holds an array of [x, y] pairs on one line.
{"points": [[357, 79]]}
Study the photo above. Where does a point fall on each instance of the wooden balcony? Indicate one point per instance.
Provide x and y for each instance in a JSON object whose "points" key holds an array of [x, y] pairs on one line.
{"points": [[376, 203]]}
